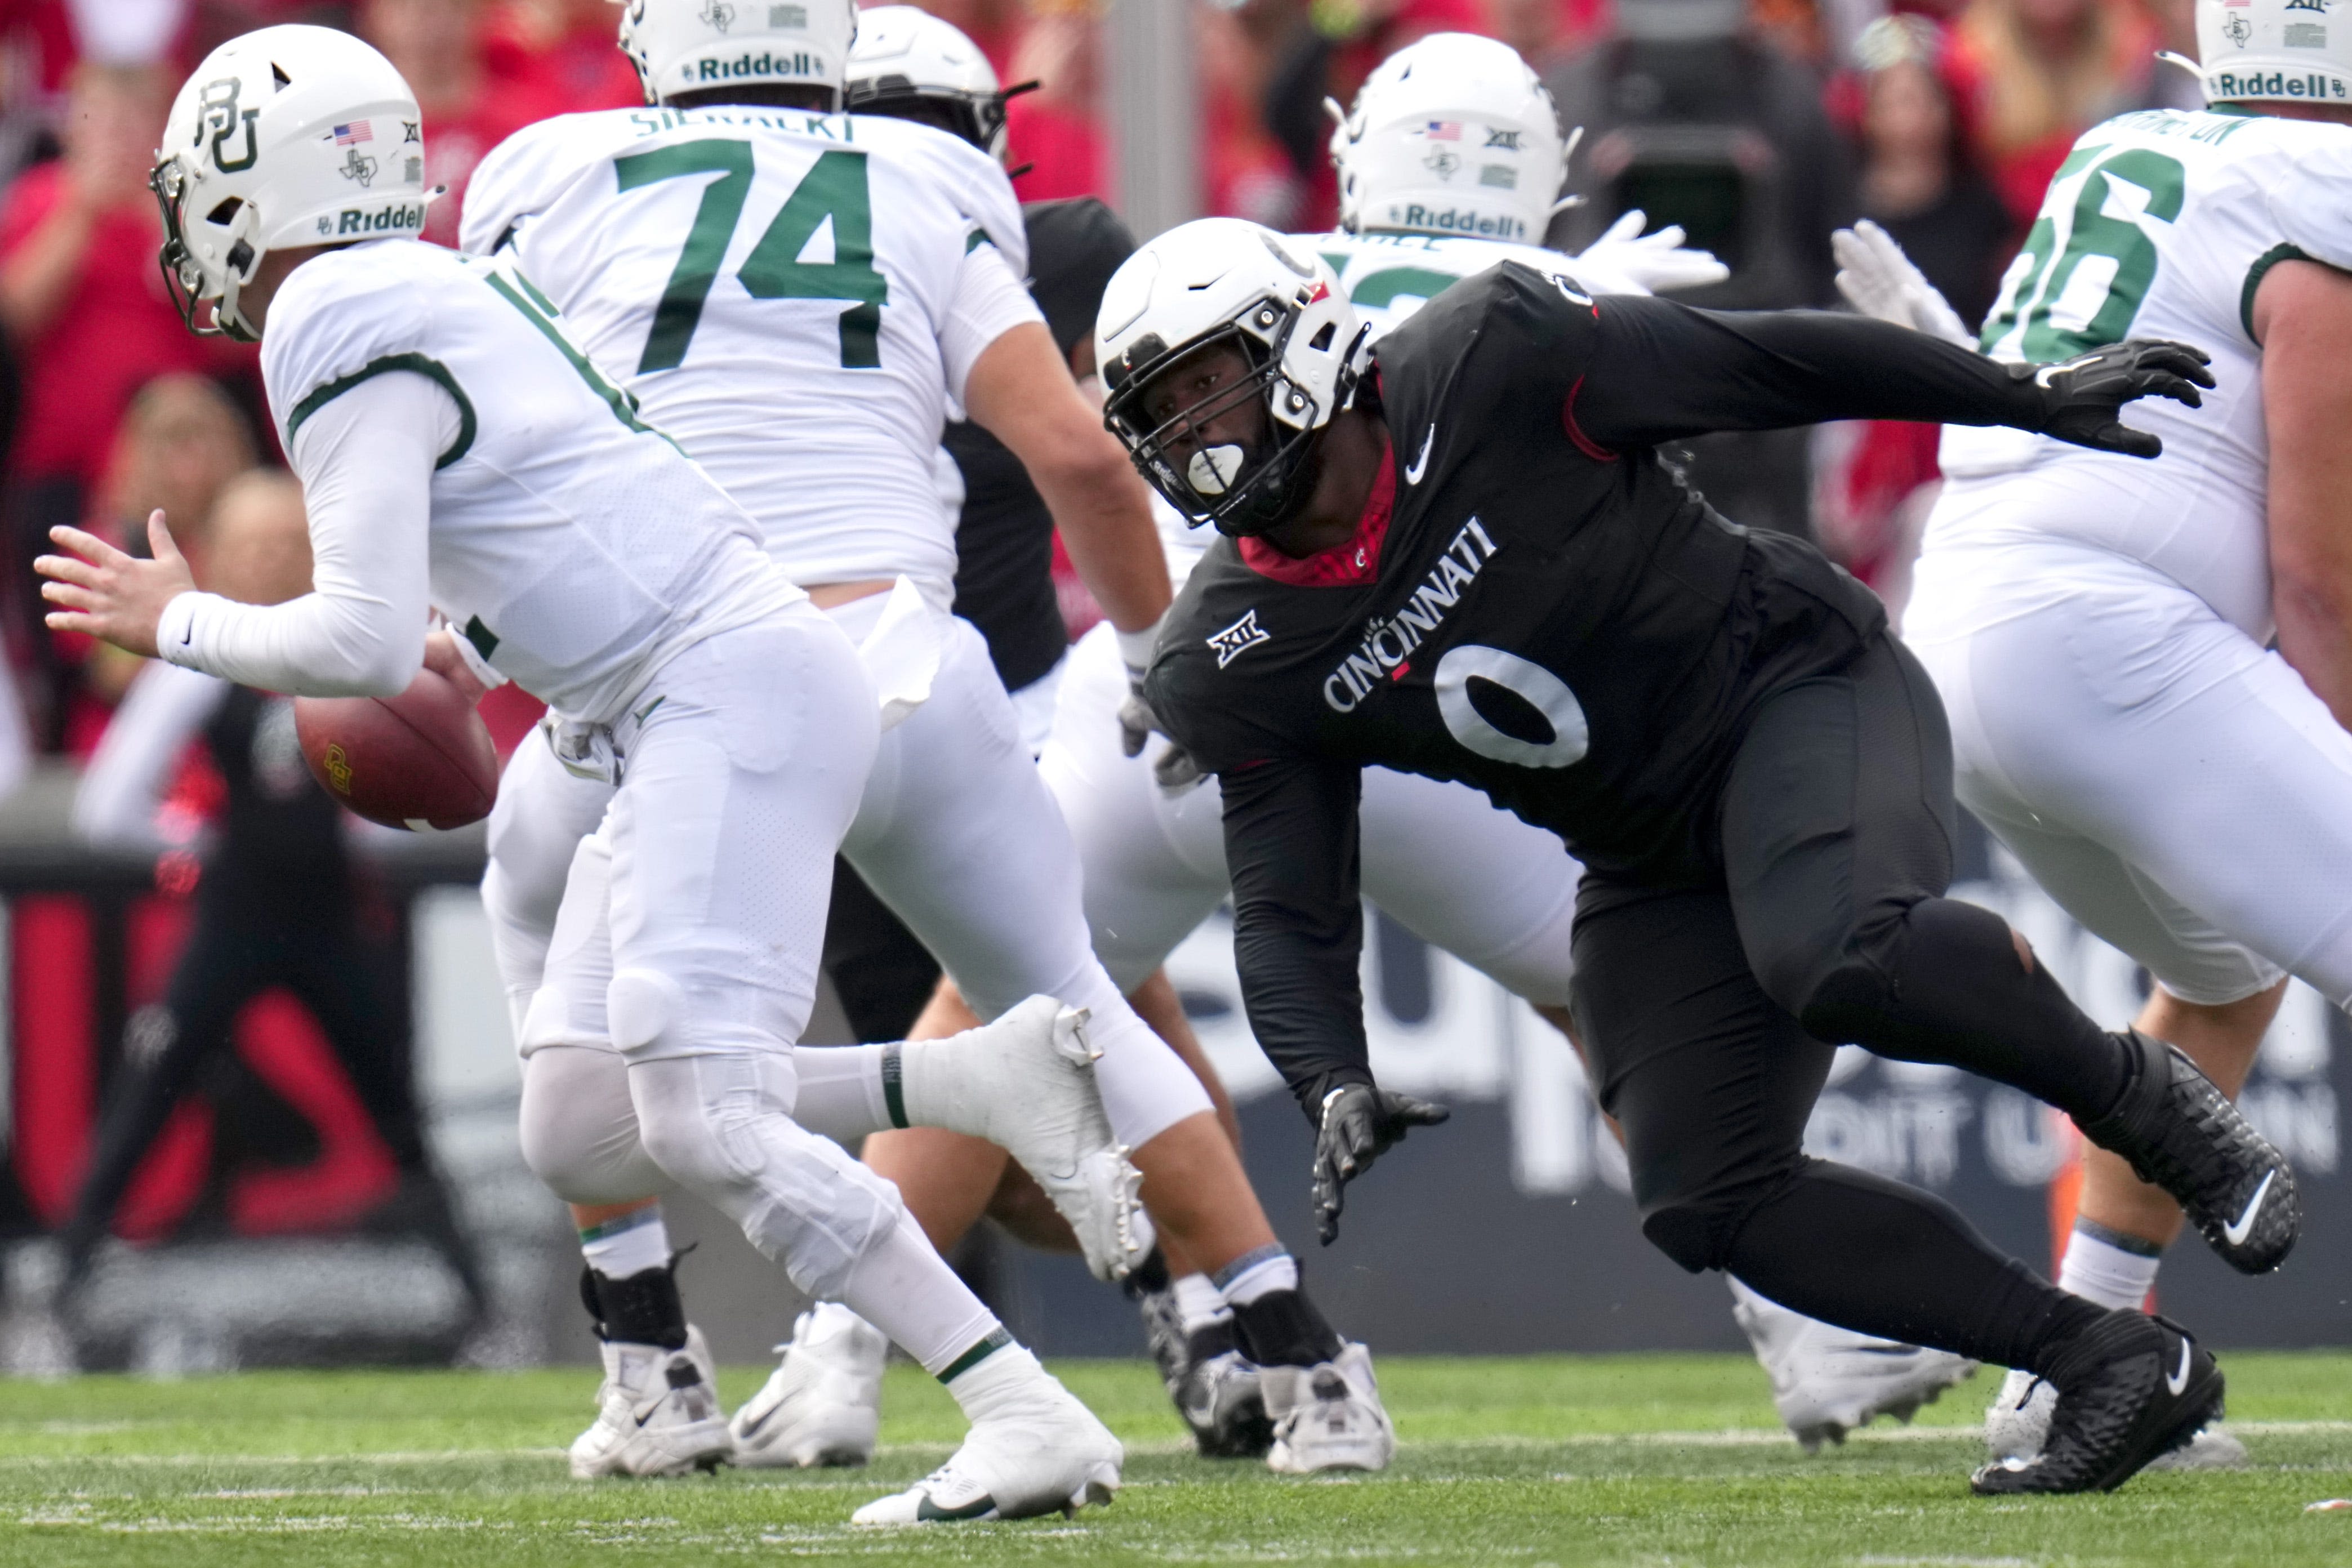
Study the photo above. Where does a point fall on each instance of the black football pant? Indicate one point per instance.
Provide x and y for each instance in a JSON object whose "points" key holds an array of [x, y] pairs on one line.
{"points": [[238, 948], [1710, 1014]]}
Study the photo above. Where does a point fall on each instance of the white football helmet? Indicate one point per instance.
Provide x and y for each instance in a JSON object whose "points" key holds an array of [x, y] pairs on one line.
{"points": [[693, 46], [909, 64], [2271, 49], [1222, 281], [284, 136], [1454, 135]]}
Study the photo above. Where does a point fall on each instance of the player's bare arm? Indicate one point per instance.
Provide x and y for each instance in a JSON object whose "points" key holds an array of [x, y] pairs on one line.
{"points": [[1021, 391], [2303, 317]]}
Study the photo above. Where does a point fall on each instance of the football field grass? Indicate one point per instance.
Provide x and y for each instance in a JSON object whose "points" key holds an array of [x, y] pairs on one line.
{"points": [[1567, 1460]]}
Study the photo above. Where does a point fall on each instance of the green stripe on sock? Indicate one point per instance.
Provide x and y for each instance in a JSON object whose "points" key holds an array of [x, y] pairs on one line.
{"points": [[996, 1340], [620, 1225], [894, 1091]]}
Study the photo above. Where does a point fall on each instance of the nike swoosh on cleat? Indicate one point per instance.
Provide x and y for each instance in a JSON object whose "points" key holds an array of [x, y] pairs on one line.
{"points": [[980, 1508], [2243, 1226], [2179, 1381], [1421, 464]]}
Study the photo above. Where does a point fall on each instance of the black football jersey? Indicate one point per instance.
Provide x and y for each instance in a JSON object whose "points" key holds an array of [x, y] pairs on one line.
{"points": [[1534, 605]]}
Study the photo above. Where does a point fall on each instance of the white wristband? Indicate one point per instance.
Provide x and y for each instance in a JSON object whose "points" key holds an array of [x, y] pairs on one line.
{"points": [[1135, 648], [175, 631]]}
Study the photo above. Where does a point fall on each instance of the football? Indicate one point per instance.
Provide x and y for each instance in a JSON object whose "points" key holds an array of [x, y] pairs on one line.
{"points": [[423, 758]]}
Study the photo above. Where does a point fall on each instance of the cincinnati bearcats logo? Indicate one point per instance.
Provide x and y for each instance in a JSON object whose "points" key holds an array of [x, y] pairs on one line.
{"points": [[222, 116]]}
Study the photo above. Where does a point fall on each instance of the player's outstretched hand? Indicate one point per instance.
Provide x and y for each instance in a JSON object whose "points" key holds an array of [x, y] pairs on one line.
{"points": [[1624, 260], [1361, 1124], [108, 593], [2082, 394], [1878, 279]]}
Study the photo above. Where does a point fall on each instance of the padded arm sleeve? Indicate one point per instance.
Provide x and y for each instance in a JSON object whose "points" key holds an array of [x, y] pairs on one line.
{"points": [[365, 459], [1298, 918], [1662, 372]]}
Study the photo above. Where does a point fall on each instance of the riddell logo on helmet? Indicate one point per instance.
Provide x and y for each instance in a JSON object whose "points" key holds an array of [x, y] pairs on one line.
{"points": [[1453, 220], [2229, 85], [385, 220], [763, 64]]}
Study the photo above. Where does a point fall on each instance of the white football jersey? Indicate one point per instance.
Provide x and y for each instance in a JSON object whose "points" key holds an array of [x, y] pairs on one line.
{"points": [[1387, 277], [574, 545], [797, 298], [2160, 223]]}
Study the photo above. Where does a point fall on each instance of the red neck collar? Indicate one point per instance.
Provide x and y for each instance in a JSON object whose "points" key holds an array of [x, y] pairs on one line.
{"points": [[1343, 565]]}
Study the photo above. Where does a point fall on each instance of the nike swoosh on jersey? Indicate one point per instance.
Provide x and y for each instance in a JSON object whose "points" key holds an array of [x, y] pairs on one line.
{"points": [[2243, 1226], [2179, 1381], [1421, 464]]}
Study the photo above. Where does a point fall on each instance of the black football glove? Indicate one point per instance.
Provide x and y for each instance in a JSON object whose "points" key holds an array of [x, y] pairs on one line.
{"points": [[1361, 1124], [2081, 396], [1138, 723]]}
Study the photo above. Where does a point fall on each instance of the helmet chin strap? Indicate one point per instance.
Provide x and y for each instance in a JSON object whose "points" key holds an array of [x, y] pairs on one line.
{"points": [[226, 313]]}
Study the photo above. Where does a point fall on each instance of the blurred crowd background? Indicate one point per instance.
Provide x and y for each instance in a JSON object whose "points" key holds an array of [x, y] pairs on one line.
{"points": [[1757, 125]]}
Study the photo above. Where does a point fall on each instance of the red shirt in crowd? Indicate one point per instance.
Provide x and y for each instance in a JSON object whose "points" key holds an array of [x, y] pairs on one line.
{"points": [[114, 332], [456, 142], [582, 71]]}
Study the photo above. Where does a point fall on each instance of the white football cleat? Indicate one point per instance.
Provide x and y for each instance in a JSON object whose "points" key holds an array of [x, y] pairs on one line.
{"points": [[657, 1413], [1040, 1451], [1326, 1416], [823, 1405], [2017, 1424], [1828, 1381], [1026, 1084]]}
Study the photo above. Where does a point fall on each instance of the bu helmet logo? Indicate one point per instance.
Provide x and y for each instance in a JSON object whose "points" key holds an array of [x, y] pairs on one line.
{"points": [[717, 13], [222, 117], [358, 165], [2239, 30]]}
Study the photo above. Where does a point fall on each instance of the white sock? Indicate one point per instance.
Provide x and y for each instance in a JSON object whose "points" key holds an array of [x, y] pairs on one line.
{"points": [[840, 1092], [1200, 1304], [627, 1244], [901, 1287], [1257, 1273], [2105, 1266], [1005, 1376]]}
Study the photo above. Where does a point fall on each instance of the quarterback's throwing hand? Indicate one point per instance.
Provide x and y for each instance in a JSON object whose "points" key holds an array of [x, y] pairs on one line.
{"points": [[1359, 1124], [2084, 394]]}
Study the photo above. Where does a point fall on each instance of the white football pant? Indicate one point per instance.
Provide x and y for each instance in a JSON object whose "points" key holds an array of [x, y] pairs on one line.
{"points": [[1442, 860], [955, 831], [2174, 786], [685, 954]]}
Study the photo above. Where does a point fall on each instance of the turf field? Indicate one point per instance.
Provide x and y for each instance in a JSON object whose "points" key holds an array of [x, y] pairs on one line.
{"points": [[1566, 1460]]}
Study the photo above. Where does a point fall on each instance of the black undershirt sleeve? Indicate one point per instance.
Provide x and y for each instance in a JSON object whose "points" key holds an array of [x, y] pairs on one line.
{"points": [[1298, 918], [1663, 372]]}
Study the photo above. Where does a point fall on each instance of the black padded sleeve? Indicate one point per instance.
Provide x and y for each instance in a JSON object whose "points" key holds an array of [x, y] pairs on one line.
{"points": [[1298, 918], [1663, 372]]}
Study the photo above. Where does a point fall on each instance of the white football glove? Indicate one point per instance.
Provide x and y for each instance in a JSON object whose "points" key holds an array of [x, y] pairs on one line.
{"points": [[1627, 261], [1879, 281]]}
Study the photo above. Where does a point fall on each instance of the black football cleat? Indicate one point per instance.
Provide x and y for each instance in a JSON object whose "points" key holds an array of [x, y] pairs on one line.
{"points": [[2152, 1394], [2182, 1134]]}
